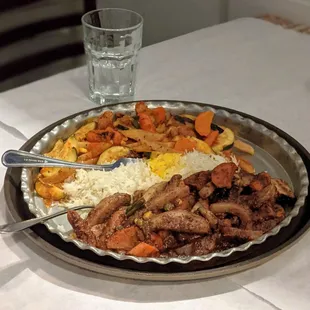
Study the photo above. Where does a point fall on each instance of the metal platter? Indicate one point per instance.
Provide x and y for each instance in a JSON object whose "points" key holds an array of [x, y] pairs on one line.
{"points": [[257, 254], [272, 154]]}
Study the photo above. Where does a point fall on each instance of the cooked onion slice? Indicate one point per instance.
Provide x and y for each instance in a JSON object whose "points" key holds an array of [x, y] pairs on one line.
{"points": [[235, 209]]}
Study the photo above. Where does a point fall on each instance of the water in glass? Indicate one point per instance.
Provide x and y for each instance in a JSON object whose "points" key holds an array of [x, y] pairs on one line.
{"points": [[111, 75], [112, 40]]}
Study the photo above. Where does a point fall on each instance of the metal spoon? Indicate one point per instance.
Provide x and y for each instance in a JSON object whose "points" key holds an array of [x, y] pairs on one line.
{"points": [[12, 158], [15, 227]]}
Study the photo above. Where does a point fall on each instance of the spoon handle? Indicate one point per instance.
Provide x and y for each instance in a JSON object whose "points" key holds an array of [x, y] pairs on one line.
{"points": [[15, 227], [13, 158]]}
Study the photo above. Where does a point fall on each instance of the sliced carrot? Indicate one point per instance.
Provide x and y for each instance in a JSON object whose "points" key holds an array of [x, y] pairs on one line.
{"points": [[210, 139], [143, 250], [141, 107], [118, 138], [96, 136], [124, 239], [159, 114], [203, 123], [96, 148], [108, 135], [184, 145], [157, 241], [146, 122]]}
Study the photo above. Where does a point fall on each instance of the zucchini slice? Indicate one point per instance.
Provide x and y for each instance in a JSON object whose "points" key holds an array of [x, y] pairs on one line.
{"points": [[62, 175], [201, 146], [68, 154], [245, 165], [81, 133], [183, 119], [189, 117], [216, 127], [71, 142], [228, 147], [49, 191], [224, 141], [112, 154], [54, 153]]}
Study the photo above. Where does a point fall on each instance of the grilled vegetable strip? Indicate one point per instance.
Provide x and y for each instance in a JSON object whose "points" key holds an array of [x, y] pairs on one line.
{"points": [[142, 135], [56, 149], [134, 207], [244, 147], [245, 165], [81, 133]]}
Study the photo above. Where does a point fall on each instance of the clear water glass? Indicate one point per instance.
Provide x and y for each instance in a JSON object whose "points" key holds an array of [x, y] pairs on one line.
{"points": [[112, 40]]}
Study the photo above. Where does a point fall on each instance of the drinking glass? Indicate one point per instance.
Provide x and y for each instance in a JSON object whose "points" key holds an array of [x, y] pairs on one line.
{"points": [[112, 40]]}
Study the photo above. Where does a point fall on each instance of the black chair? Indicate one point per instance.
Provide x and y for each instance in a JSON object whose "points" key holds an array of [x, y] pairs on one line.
{"points": [[39, 38]]}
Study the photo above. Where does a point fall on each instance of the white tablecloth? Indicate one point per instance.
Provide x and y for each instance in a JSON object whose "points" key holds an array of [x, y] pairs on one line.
{"points": [[246, 64]]}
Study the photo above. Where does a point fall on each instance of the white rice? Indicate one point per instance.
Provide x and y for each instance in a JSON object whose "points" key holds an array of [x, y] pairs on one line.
{"points": [[195, 161], [89, 187]]}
